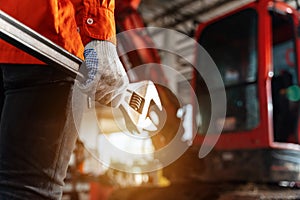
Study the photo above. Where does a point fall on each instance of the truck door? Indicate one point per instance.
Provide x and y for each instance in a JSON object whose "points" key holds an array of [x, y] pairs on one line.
{"points": [[232, 44], [285, 90]]}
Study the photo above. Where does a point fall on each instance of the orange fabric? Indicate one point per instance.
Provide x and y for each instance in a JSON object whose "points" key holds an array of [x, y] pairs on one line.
{"points": [[60, 21]]}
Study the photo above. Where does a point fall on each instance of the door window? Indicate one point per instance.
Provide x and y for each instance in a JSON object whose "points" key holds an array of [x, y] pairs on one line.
{"points": [[232, 44], [285, 90]]}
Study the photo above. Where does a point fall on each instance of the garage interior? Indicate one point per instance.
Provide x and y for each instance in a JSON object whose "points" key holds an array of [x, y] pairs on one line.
{"points": [[223, 119], [181, 179]]}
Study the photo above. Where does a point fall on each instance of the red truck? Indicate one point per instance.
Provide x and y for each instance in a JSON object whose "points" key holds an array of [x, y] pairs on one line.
{"points": [[256, 48]]}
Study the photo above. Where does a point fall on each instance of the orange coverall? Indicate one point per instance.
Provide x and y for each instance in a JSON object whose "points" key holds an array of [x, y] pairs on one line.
{"points": [[69, 23]]}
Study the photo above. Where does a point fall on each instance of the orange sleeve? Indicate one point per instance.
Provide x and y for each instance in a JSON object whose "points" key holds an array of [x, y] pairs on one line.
{"points": [[95, 19]]}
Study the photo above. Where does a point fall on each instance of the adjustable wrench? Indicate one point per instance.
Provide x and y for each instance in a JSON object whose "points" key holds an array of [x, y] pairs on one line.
{"points": [[139, 97]]}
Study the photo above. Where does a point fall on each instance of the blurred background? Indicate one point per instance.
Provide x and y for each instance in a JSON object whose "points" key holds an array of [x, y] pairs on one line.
{"points": [[255, 47]]}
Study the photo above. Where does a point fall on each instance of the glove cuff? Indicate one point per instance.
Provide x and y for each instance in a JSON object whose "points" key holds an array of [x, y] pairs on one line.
{"points": [[103, 48]]}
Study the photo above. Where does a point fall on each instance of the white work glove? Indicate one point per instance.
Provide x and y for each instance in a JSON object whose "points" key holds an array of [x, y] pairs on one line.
{"points": [[105, 77]]}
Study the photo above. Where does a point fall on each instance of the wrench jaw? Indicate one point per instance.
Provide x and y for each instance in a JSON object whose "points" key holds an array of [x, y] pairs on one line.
{"points": [[138, 100]]}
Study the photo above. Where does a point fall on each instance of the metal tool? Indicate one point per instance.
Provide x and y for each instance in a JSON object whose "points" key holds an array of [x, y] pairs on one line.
{"points": [[23, 37], [139, 97], [139, 100]]}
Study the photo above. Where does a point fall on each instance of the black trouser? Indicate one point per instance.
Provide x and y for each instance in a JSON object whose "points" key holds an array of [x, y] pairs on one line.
{"points": [[37, 135]]}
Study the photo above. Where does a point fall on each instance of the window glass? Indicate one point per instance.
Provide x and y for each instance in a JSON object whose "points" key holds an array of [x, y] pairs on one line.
{"points": [[285, 90], [232, 44]]}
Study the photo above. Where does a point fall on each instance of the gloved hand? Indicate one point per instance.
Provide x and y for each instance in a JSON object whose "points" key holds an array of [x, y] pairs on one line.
{"points": [[105, 76]]}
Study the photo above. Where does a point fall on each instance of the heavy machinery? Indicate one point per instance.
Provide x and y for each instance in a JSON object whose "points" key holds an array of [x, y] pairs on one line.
{"points": [[256, 48]]}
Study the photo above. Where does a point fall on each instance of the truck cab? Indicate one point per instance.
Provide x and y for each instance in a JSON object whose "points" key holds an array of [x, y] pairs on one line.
{"points": [[256, 50]]}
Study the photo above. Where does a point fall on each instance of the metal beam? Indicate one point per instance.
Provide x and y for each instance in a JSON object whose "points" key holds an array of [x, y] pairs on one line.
{"points": [[170, 11], [191, 16]]}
